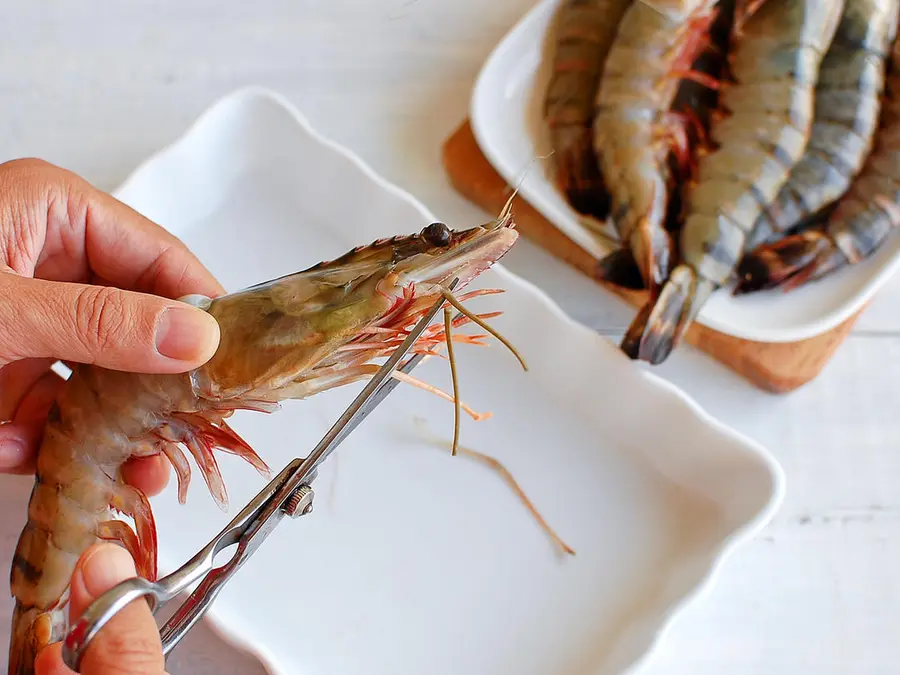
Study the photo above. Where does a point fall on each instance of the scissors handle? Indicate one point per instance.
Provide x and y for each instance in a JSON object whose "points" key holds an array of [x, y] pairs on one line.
{"points": [[246, 531]]}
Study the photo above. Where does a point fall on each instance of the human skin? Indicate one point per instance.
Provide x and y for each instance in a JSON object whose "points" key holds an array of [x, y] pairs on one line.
{"points": [[86, 279]]}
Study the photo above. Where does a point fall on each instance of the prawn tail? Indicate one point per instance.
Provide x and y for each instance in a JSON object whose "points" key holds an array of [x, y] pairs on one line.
{"points": [[32, 630], [620, 269], [653, 248], [660, 325], [789, 262], [631, 342]]}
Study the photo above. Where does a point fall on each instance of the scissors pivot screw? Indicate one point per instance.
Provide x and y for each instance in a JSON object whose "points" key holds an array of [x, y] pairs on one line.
{"points": [[300, 503]]}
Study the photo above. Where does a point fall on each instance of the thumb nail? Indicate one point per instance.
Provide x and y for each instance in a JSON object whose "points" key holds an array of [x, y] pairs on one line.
{"points": [[104, 567], [187, 334]]}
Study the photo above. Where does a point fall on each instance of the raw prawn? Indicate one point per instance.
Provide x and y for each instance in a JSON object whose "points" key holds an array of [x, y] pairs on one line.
{"points": [[634, 128], [693, 104], [769, 106], [857, 227], [848, 100], [585, 32], [289, 338]]}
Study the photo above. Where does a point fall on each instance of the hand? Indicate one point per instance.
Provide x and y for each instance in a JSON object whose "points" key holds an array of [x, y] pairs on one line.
{"points": [[76, 268], [129, 643]]}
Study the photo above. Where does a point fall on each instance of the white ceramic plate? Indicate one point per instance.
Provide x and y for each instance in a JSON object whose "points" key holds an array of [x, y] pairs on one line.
{"points": [[506, 119], [415, 562]]}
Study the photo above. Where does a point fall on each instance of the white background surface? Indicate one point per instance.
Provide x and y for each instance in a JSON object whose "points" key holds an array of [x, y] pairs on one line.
{"points": [[97, 86]]}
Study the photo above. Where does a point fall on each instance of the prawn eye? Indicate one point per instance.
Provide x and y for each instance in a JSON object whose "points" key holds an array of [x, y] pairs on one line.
{"points": [[437, 234]]}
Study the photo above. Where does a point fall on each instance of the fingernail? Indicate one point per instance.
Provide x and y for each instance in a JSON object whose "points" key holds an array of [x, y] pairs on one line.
{"points": [[104, 567], [13, 454], [187, 334]]}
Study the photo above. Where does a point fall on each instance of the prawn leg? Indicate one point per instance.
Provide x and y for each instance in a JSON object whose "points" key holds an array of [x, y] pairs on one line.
{"points": [[134, 504], [201, 435], [182, 469], [119, 531]]}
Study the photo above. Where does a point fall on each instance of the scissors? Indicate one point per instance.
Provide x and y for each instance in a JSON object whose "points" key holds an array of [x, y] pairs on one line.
{"points": [[288, 494]]}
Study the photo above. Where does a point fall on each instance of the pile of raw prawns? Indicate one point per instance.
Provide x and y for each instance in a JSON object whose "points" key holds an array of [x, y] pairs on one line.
{"points": [[728, 143]]}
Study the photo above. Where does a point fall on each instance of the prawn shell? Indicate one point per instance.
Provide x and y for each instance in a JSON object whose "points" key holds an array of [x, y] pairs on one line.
{"points": [[584, 33], [775, 65], [847, 105], [633, 130], [777, 54]]}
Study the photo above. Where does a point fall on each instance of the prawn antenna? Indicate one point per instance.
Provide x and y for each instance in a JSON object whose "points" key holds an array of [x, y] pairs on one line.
{"points": [[506, 475], [409, 379], [456, 411], [507, 207], [449, 297]]}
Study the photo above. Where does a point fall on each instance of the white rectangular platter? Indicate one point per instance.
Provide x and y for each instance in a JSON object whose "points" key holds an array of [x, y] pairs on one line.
{"points": [[505, 113], [413, 561]]}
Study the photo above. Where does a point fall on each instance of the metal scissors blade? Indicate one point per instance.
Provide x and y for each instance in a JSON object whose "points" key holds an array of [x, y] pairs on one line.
{"points": [[288, 494]]}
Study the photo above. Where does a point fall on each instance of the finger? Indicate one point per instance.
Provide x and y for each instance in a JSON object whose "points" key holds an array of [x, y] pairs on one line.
{"points": [[75, 229], [35, 405], [21, 438], [15, 381], [129, 250], [130, 642], [17, 455], [150, 475], [50, 662], [105, 326]]}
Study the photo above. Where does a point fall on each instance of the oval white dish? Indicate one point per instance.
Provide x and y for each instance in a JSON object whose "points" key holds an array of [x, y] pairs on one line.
{"points": [[505, 113], [413, 561]]}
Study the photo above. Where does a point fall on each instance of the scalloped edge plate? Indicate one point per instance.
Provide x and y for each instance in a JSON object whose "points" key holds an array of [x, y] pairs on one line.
{"points": [[414, 561], [505, 113]]}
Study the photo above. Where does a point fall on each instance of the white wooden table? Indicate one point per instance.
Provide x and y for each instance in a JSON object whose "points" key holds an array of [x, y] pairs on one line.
{"points": [[97, 86]]}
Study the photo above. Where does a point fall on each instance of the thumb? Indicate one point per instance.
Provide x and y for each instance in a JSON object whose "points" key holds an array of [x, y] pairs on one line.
{"points": [[102, 325], [130, 642]]}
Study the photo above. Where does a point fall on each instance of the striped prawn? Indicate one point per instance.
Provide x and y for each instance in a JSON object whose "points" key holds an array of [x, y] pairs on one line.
{"points": [[848, 100], [584, 34], [635, 129], [289, 338], [855, 229], [768, 114]]}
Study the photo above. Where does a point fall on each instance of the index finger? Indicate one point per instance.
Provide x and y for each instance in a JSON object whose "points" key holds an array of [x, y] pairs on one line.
{"points": [[131, 251], [89, 235]]}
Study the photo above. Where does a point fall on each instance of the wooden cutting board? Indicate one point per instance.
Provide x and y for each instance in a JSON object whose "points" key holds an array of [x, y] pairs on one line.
{"points": [[773, 367]]}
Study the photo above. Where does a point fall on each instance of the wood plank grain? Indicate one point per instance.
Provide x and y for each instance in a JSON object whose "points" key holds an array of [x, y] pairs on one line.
{"points": [[773, 367]]}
